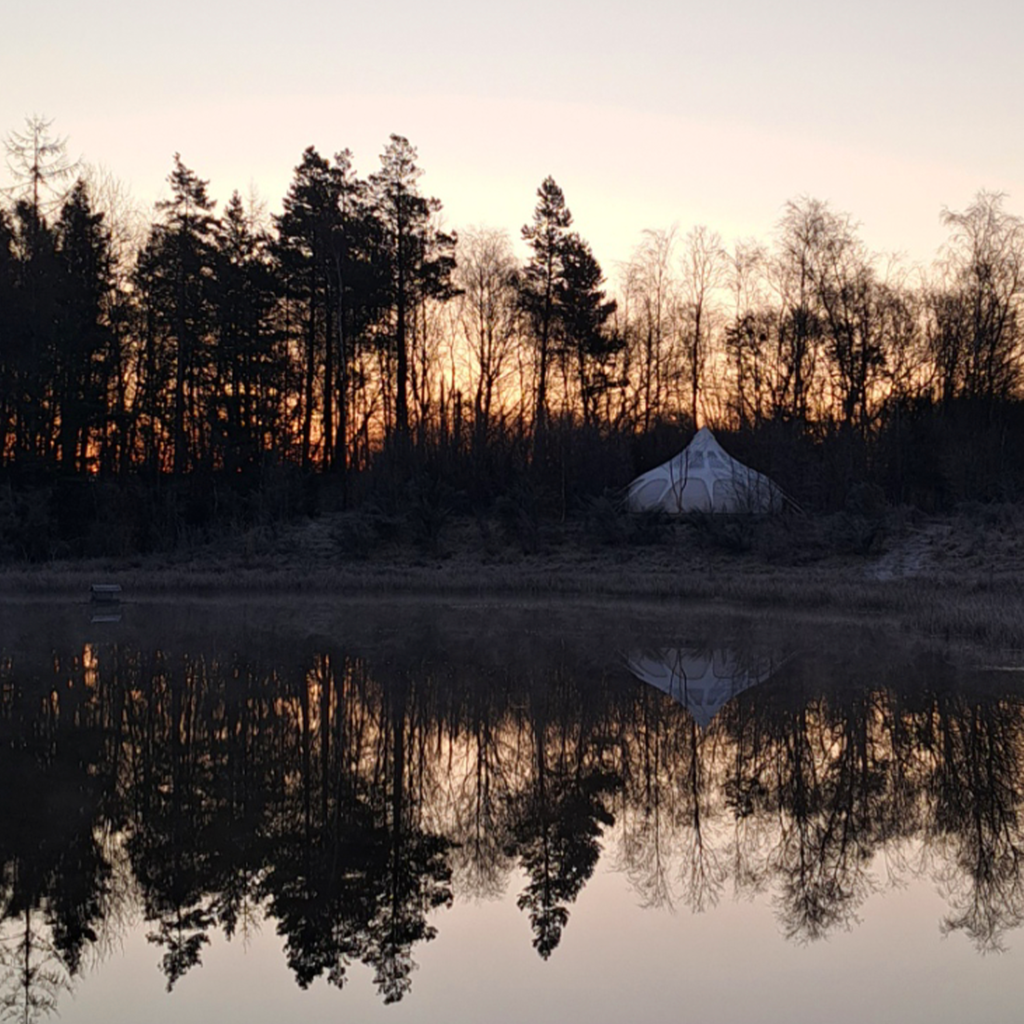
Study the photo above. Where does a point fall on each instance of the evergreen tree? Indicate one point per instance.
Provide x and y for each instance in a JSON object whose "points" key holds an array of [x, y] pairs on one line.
{"points": [[583, 313], [83, 336], [8, 376], [417, 258], [249, 366], [546, 237], [175, 271], [360, 287], [304, 254], [32, 337]]}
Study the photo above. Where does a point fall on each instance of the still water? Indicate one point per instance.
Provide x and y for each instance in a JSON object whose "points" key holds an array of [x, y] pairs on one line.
{"points": [[455, 813]]}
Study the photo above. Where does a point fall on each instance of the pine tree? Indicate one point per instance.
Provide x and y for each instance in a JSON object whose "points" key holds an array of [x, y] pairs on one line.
{"points": [[32, 325], [83, 262], [417, 258], [175, 273], [546, 237], [360, 287], [583, 312], [305, 256], [8, 329], [249, 368]]}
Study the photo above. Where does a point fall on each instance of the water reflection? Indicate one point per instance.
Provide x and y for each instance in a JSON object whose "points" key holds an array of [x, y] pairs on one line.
{"points": [[703, 680], [347, 789]]}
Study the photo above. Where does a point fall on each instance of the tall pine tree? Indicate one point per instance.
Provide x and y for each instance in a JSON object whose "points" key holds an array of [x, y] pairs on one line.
{"points": [[175, 273], [546, 237], [417, 258]]}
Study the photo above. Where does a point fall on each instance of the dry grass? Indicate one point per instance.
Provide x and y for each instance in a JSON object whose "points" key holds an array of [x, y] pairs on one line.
{"points": [[958, 578]]}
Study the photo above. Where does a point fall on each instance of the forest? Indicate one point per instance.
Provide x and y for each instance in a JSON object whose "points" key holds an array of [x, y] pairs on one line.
{"points": [[206, 367]]}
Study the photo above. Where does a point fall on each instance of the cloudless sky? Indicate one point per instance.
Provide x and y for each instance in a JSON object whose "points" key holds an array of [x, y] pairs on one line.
{"points": [[647, 114]]}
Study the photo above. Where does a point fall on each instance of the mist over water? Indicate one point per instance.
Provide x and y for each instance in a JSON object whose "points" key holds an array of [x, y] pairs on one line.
{"points": [[491, 812]]}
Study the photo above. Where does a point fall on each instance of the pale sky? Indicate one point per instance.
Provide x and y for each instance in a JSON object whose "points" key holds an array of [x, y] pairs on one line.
{"points": [[647, 114]]}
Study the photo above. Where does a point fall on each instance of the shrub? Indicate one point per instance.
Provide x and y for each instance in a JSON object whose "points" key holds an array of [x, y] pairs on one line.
{"points": [[608, 522], [734, 533], [521, 513], [431, 504], [355, 534]]}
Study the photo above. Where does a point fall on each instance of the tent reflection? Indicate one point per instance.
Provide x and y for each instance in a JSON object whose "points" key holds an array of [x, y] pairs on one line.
{"points": [[702, 680]]}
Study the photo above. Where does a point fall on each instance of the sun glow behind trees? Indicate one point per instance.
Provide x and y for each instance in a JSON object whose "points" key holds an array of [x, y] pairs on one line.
{"points": [[353, 319]]}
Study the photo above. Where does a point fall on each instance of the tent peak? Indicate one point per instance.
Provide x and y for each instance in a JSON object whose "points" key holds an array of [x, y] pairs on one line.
{"points": [[703, 436], [704, 477]]}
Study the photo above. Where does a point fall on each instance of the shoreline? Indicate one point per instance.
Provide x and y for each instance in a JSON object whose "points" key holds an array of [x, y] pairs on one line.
{"points": [[979, 604]]}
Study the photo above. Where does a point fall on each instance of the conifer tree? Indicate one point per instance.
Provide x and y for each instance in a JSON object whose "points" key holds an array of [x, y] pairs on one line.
{"points": [[83, 262], [175, 273], [304, 254], [7, 330], [249, 368], [583, 313], [546, 237], [417, 258]]}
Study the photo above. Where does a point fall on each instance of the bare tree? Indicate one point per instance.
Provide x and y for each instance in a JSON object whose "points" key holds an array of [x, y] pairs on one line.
{"points": [[976, 334], [487, 316], [799, 335], [900, 301], [747, 335], [704, 265], [39, 164], [848, 297], [650, 297]]}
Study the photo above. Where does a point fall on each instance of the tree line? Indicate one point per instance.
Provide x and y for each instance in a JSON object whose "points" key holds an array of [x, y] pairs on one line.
{"points": [[351, 332]]}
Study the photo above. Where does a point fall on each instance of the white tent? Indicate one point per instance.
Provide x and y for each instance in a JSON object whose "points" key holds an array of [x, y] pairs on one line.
{"points": [[703, 681], [703, 477]]}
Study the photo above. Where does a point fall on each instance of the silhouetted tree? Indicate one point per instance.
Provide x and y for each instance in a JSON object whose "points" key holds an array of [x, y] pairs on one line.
{"points": [[305, 252], [976, 336], [417, 258], [250, 366], [546, 236], [175, 276], [83, 337], [583, 313], [487, 314], [39, 164]]}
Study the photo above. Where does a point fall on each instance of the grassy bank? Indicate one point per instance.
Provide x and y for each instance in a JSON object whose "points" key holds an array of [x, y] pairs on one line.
{"points": [[957, 577]]}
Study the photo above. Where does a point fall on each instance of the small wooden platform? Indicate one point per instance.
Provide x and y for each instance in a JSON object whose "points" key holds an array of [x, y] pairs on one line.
{"points": [[105, 593]]}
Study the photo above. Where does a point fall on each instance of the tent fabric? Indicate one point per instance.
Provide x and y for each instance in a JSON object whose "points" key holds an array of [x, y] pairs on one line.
{"points": [[702, 680], [703, 477]]}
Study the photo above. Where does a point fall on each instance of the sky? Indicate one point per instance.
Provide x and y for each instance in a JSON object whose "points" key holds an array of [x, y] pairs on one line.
{"points": [[617, 960], [648, 114]]}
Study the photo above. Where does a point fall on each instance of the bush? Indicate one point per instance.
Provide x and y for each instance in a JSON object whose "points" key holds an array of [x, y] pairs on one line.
{"points": [[608, 522], [733, 533], [355, 534], [521, 513], [430, 507], [26, 526]]}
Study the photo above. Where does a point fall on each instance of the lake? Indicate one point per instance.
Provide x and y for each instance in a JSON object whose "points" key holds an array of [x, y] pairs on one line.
{"points": [[485, 811]]}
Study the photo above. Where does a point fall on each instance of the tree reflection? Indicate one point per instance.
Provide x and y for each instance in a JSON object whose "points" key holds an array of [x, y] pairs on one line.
{"points": [[557, 819], [347, 794], [53, 876], [975, 779]]}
